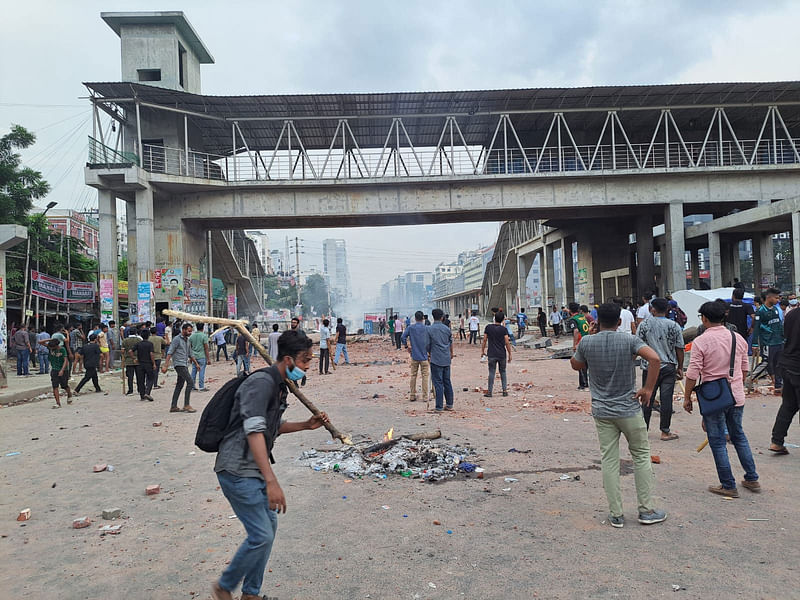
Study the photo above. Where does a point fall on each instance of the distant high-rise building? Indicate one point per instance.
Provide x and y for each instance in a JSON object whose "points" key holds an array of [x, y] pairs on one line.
{"points": [[334, 264], [261, 241]]}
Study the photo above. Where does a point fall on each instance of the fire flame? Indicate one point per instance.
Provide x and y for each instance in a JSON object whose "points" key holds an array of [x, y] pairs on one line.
{"points": [[388, 435]]}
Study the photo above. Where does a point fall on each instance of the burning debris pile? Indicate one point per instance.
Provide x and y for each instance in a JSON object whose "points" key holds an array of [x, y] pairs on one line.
{"points": [[419, 456]]}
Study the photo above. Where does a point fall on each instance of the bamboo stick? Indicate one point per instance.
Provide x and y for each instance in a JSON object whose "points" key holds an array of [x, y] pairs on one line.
{"points": [[240, 327]]}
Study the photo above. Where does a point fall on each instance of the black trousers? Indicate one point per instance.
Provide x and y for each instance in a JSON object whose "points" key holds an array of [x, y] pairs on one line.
{"points": [[790, 405], [583, 378], [90, 374], [473, 336], [324, 360], [397, 336], [184, 377], [222, 348], [145, 379], [543, 329], [130, 373], [666, 386]]}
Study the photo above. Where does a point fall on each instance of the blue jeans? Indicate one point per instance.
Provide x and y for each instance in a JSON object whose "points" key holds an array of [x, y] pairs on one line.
{"points": [[202, 362], [442, 385], [248, 498], [242, 362], [23, 361], [715, 428], [341, 349], [44, 363]]}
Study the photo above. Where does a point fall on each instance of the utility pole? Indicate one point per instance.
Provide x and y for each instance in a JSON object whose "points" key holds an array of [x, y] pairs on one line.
{"points": [[297, 263]]}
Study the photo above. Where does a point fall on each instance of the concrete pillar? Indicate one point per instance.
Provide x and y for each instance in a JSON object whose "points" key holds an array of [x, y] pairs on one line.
{"points": [[695, 265], [130, 224], [763, 261], [796, 250], [568, 270], [715, 259], [549, 279], [675, 275], [10, 236], [145, 249], [730, 260], [645, 268], [107, 259]]}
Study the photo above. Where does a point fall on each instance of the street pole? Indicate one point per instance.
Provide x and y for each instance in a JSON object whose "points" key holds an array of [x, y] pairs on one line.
{"points": [[297, 263], [69, 269], [23, 312]]}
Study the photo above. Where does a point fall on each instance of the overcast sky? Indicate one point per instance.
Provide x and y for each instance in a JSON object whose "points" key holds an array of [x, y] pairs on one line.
{"points": [[48, 48]]}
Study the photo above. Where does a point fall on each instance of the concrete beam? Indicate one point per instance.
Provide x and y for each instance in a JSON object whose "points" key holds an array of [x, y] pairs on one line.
{"points": [[408, 202], [749, 220]]}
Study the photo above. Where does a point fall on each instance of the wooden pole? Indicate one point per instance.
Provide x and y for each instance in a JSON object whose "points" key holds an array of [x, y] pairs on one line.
{"points": [[240, 327]]}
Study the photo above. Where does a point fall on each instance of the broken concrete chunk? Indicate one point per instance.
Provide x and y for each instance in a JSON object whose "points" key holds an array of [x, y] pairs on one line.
{"points": [[81, 523], [110, 529], [112, 513], [151, 490]]}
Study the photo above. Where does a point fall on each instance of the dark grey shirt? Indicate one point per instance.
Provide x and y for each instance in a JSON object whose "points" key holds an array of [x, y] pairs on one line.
{"points": [[609, 357], [441, 340], [180, 350], [662, 335], [258, 401]]}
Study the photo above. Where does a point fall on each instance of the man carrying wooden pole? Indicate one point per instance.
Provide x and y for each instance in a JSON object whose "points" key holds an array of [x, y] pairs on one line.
{"points": [[240, 327]]}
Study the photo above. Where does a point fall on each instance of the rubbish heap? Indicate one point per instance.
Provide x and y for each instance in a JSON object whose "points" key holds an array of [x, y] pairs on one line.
{"points": [[429, 460]]}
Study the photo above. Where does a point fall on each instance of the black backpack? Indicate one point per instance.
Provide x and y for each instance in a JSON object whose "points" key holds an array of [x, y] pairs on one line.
{"points": [[215, 422]]}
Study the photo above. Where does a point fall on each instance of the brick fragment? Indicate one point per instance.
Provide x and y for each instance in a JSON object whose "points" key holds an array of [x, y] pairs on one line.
{"points": [[24, 514], [81, 523], [151, 490], [100, 468]]}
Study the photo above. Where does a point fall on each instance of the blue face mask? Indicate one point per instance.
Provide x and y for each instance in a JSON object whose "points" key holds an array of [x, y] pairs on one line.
{"points": [[295, 373]]}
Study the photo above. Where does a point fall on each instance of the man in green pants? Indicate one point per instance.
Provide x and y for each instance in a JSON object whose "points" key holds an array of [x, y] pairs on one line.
{"points": [[609, 355]]}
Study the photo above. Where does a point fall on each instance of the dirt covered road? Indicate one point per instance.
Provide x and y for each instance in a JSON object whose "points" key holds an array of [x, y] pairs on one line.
{"points": [[538, 537]]}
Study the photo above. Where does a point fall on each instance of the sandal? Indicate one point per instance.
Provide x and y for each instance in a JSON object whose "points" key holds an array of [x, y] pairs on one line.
{"points": [[56, 406], [174, 409], [779, 451], [669, 437]]}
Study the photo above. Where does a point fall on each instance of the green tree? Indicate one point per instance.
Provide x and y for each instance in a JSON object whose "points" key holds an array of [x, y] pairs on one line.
{"points": [[19, 186], [122, 269], [315, 293]]}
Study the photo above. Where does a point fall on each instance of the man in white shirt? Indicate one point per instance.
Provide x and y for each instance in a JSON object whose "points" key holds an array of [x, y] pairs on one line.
{"points": [[324, 350], [474, 327], [626, 322], [644, 310], [272, 342], [555, 321]]}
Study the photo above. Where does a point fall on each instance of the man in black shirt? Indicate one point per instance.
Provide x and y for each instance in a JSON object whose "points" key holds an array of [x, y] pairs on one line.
{"points": [[496, 336], [790, 395], [146, 367], [341, 342], [738, 311], [91, 360]]}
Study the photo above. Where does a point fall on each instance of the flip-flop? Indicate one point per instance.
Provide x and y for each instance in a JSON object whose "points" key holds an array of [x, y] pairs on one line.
{"points": [[670, 437], [780, 451]]}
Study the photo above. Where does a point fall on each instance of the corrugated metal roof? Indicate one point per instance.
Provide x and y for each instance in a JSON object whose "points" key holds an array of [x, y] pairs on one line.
{"points": [[476, 110]]}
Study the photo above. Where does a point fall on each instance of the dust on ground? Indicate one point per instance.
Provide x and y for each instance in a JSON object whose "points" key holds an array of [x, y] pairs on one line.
{"points": [[542, 536]]}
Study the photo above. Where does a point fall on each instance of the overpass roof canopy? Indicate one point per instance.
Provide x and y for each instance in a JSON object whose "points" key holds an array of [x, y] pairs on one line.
{"points": [[369, 115]]}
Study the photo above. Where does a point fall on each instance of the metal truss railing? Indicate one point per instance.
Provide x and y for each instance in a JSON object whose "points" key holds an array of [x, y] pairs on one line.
{"points": [[100, 154], [664, 148]]}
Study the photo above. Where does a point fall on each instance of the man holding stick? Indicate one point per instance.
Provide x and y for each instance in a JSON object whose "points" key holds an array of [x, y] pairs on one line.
{"points": [[243, 464]]}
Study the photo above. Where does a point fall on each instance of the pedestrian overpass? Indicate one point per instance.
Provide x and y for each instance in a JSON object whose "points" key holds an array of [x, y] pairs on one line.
{"points": [[611, 160]]}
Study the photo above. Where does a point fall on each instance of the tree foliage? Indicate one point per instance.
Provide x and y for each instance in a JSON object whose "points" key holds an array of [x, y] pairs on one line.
{"points": [[19, 185], [315, 294]]}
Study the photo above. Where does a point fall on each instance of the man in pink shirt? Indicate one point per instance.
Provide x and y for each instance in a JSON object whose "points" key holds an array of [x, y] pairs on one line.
{"points": [[710, 360]]}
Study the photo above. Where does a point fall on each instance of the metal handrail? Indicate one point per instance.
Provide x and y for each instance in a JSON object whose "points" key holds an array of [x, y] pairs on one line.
{"points": [[100, 154], [324, 165]]}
